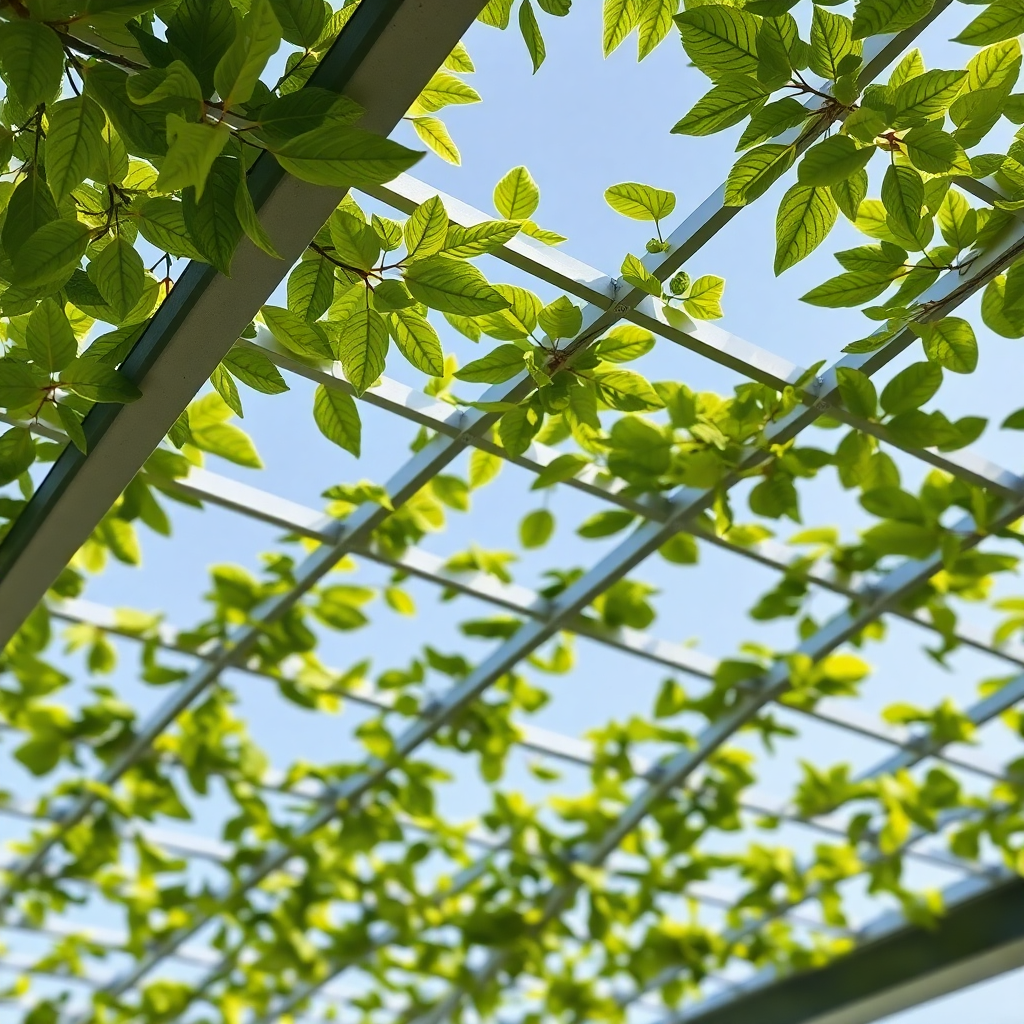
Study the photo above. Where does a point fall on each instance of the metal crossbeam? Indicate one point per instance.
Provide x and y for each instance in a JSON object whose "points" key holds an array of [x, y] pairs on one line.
{"points": [[897, 966], [383, 58]]}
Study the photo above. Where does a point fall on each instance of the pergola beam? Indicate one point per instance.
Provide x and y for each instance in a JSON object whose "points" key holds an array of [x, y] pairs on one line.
{"points": [[897, 966], [382, 59]]}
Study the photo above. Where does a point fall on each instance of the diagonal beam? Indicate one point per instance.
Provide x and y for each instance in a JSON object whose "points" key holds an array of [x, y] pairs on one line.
{"points": [[897, 965], [383, 58]]}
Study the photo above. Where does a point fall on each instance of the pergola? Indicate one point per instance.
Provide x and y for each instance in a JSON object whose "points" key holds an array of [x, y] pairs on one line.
{"points": [[341, 889]]}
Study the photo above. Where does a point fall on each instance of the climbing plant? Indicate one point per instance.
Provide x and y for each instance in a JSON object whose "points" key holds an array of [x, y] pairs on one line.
{"points": [[129, 129]]}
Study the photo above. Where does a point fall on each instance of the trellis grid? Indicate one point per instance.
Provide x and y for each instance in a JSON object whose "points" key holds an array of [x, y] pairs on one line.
{"points": [[608, 301]]}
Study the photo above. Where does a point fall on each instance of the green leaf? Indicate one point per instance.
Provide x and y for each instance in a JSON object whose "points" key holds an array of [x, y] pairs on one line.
{"points": [[225, 387], [417, 341], [304, 111], [498, 366], [950, 343], [771, 121], [516, 196], [118, 273], [344, 156], [536, 528], [605, 524], [641, 202], [847, 290], [873, 17], [517, 428], [832, 160], [625, 390], [355, 241], [719, 40], [463, 243], [192, 149], [892, 537], [296, 333], [560, 319], [311, 288], [452, 286], [1001, 20], [619, 19], [624, 343], [49, 337], [911, 388], [850, 194], [30, 207], [926, 96], [831, 41], [17, 453], [245, 211], [426, 230], [931, 150], [301, 21], [483, 467], [531, 34], [754, 173], [958, 221], [199, 33], [857, 391], [654, 25], [51, 253], [255, 370], [211, 219], [228, 442], [441, 91], [239, 70], [161, 222], [634, 273], [885, 261], [337, 417], [98, 382], [806, 216], [18, 387], [31, 61], [174, 87], [363, 348], [903, 197], [72, 424], [74, 143], [704, 299], [728, 102], [433, 133]]}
